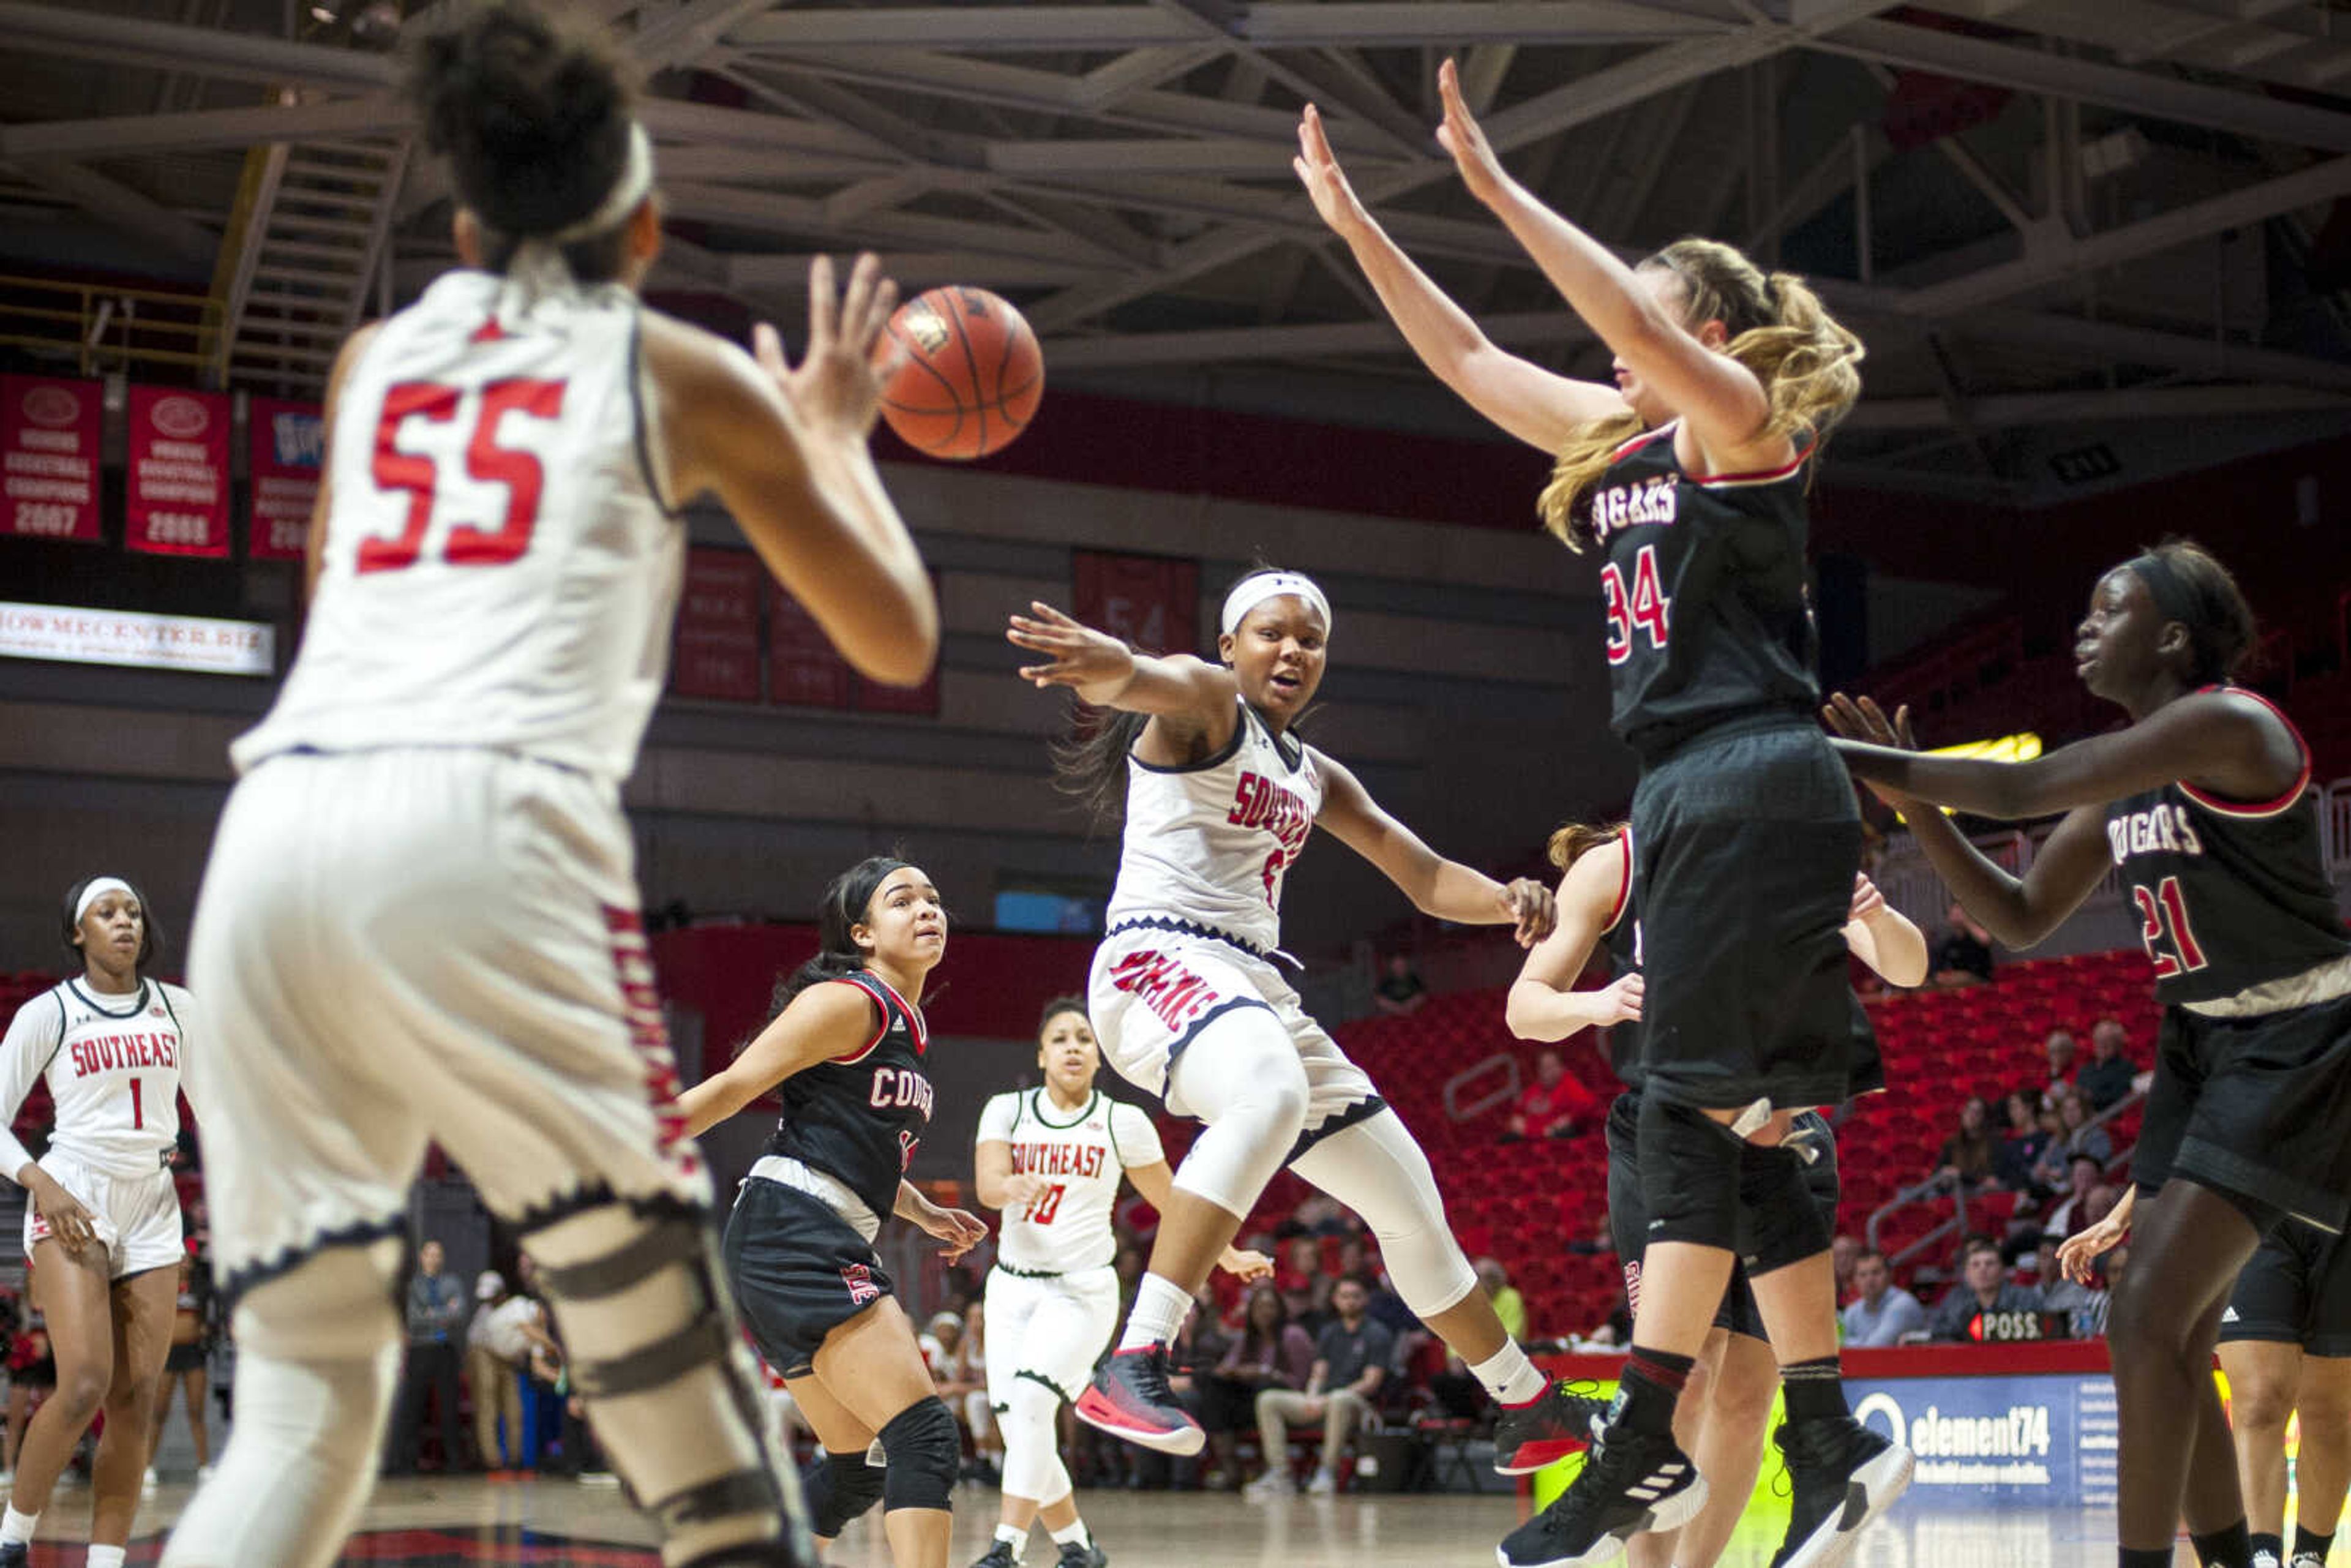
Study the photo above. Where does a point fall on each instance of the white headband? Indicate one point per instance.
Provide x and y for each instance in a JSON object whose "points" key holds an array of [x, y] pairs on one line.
{"points": [[1251, 591], [636, 179], [98, 888]]}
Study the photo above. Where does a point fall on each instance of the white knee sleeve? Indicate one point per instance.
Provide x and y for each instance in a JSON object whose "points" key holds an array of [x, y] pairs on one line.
{"points": [[1376, 1169], [318, 1358], [1032, 1463], [1240, 1075]]}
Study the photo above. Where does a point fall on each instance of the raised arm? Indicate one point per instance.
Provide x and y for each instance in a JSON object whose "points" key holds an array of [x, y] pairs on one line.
{"points": [[1543, 1004], [822, 1022], [1532, 403], [784, 448], [1190, 702], [1446, 889], [2019, 912], [1720, 400]]}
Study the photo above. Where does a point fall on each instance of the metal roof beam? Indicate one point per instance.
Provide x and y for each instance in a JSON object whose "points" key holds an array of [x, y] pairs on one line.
{"points": [[1026, 29]]}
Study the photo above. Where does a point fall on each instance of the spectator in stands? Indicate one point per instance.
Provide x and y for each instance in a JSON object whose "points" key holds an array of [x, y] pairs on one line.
{"points": [[2075, 1138], [2060, 1049], [2082, 1175], [1400, 992], [1882, 1312], [1353, 1357], [2020, 1142], [1320, 1214], [1555, 1105], [2108, 1077], [1270, 1353], [1305, 1287], [1963, 958], [1509, 1304], [2084, 1306], [1983, 1287], [498, 1343], [1967, 1155], [1844, 1257], [436, 1325]]}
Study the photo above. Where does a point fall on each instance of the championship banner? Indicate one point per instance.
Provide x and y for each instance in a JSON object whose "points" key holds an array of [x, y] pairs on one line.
{"points": [[286, 444], [803, 670], [715, 650], [1150, 601], [49, 432], [178, 473]]}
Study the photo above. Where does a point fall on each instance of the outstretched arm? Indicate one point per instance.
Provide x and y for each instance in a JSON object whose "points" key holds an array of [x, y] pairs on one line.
{"points": [[1446, 889], [1544, 1003], [2020, 912], [1537, 407], [2211, 739], [1722, 402], [1187, 698], [822, 1022]]}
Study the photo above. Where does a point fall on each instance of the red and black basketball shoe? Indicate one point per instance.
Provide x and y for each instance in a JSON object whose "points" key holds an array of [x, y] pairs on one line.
{"points": [[1129, 1398], [1546, 1429]]}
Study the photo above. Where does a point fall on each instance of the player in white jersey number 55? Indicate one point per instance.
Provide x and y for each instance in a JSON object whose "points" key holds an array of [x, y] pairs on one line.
{"points": [[430, 815], [1050, 1158], [103, 1229]]}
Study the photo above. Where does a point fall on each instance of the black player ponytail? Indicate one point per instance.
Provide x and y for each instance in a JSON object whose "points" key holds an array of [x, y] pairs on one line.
{"points": [[152, 944], [534, 113], [846, 900], [1091, 766]]}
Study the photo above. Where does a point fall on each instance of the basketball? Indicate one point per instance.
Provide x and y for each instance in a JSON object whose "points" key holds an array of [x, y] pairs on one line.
{"points": [[970, 375]]}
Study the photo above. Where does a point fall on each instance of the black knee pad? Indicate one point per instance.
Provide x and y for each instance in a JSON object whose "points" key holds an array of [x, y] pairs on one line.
{"points": [[1779, 1220], [925, 1451], [839, 1488], [1690, 1174]]}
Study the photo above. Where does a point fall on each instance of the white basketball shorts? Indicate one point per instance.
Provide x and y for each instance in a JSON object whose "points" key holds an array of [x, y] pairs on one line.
{"points": [[1050, 1329], [135, 1217], [406, 945], [1151, 993]]}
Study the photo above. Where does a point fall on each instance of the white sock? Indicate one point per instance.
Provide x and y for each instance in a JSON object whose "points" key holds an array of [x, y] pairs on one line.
{"points": [[1013, 1536], [1074, 1530], [104, 1556], [1510, 1376], [1159, 1308], [16, 1527]]}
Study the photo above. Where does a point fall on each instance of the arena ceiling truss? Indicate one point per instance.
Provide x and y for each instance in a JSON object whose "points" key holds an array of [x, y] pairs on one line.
{"points": [[2044, 214]]}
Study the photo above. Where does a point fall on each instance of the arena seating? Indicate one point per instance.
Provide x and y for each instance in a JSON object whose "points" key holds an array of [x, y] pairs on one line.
{"points": [[1528, 1204]]}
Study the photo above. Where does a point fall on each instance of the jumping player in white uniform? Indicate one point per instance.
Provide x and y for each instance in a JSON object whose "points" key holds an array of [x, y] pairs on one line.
{"points": [[1219, 796], [102, 1231], [1050, 1158], [421, 919]]}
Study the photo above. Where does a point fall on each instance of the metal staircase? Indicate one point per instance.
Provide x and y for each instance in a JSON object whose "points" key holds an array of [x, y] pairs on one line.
{"points": [[304, 246]]}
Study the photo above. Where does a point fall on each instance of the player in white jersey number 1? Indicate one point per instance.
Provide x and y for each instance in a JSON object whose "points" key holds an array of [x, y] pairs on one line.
{"points": [[1219, 796], [1050, 1158], [103, 1232], [420, 921]]}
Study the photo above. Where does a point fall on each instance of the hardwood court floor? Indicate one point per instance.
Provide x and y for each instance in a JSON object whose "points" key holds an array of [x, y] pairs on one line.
{"points": [[430, 1523]]}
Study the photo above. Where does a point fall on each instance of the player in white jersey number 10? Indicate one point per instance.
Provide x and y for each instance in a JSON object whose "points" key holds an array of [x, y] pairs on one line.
{"points": [[1050, 1158], [102, 1233]]}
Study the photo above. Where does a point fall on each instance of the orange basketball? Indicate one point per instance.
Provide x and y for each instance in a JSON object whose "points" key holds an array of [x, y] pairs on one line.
{"points": [[970, 377]]}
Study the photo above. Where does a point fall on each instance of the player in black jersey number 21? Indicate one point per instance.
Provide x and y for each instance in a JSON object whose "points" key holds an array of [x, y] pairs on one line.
{"points": [[845, 1053], [2200, 804]]}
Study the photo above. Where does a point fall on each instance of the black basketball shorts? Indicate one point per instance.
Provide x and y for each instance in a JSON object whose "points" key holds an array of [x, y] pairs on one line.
{"points": [[1628, 1214], [2295, 1290], [1745, 844], [2259, 1107], [799, 1270]]}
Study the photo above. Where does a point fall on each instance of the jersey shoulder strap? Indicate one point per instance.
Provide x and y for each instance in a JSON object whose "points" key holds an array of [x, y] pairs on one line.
{"points": [[163, 994]]}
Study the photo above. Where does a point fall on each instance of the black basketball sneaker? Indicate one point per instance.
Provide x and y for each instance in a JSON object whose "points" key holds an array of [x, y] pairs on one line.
{"points": [[1844, 1475], [1082, 1554], [998, 1556], [1632, 1484], [1547, 1429], [1129, 1398]]}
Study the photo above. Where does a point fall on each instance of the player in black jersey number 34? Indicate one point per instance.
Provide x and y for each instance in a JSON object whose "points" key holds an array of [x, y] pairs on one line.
{"points": [[2201, 805]]}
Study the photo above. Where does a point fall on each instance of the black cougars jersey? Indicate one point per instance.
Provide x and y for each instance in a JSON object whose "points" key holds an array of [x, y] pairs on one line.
{"points": [[857, 1118], [2230, 893], [1705, 592]]}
